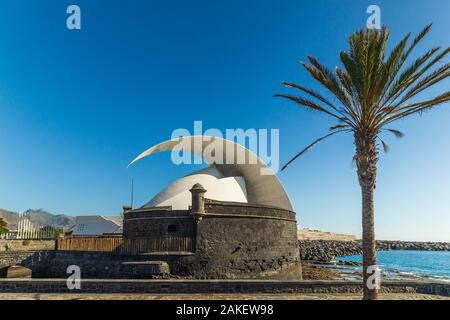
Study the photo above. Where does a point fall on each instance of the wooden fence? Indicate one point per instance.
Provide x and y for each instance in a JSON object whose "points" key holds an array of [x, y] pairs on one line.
{"points": [[117, 244], [160, 244], [93, 243]]}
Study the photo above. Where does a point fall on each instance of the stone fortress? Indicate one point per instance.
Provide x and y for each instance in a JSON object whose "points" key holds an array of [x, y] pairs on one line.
{"points": [[225, 239], [230, 220]]}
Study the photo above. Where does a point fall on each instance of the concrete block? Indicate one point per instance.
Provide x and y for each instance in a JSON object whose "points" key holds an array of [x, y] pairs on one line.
{"points": [[18, 272]]}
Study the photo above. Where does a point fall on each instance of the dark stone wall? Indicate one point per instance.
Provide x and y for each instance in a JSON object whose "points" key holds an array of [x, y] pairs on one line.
{"points": [[155, 223], [100, 265], [37, 261], [221, 207], [93, 265], [217, 286], [160, 228], [243, 247], [232, 240]]}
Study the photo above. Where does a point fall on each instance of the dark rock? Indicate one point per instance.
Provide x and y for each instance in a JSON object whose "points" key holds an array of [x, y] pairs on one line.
{"points": [[327, 250]]}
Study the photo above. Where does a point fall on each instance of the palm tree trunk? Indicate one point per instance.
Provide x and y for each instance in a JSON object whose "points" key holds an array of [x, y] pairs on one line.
{"points": [[366, 159], [368, 242]]}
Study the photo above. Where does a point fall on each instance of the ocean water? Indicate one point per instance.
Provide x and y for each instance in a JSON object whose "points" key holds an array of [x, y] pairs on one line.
{"points": [[407, 263]]}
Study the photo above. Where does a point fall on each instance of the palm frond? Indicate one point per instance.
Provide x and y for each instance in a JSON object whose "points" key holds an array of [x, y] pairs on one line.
{"points": [[348, 89], [397, 59], [309, 147], [313, 94], [418, 38], [339, 126], [418, 107], [385, 146], [397, 133], [407, 77], [433, 78], [326, 78], [374, 88], [310, 105], [392, 66]]}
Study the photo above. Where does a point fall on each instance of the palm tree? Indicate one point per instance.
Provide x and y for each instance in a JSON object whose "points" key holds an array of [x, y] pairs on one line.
{"points": [[372, 90]]}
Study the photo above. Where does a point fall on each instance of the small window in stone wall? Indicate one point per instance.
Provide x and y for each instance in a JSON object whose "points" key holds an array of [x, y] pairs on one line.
{"points": [[172, 228]]}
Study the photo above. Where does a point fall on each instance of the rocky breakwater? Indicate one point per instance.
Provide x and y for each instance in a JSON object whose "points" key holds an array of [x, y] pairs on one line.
{"points": [[328, 250]]}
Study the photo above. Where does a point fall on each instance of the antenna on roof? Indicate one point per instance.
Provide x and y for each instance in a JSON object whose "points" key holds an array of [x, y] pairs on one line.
{"points": [[132, 192]]}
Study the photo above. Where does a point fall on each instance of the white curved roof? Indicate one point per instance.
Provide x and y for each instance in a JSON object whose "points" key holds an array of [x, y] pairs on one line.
{"points": [[253, 181], [220, 188]]}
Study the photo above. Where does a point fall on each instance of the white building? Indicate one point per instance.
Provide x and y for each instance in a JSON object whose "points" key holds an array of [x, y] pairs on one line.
{"points": [[234, 174], [97, 225]]}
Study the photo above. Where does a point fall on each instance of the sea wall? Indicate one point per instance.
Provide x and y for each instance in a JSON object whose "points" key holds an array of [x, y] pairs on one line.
{"points": [[101, 265], [217, 286], [54, 264], [326, 250]]}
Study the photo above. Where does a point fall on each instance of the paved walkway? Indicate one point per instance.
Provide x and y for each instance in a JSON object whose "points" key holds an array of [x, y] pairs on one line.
{"points": [[74, 296]]}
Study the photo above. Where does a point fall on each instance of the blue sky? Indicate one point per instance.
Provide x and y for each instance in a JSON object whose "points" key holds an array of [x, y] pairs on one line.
{"points": [[77, 106]]}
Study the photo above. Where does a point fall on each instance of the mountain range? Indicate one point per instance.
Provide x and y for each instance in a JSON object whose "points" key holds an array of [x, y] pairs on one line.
{"points": [[39, 218]]}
